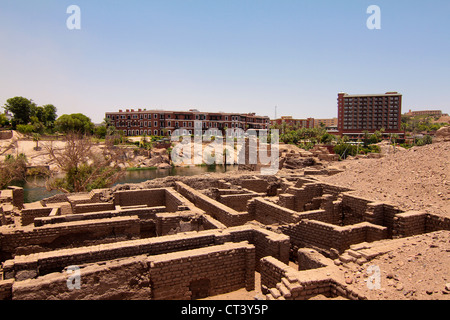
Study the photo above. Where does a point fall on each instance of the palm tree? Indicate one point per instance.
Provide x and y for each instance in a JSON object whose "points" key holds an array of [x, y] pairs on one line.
{"points": [[36, 138], [378, 135], [394, 138], [366, 138]]}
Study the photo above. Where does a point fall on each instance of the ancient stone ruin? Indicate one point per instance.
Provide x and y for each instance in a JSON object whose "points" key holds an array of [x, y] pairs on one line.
{"points": [[285, 236]]}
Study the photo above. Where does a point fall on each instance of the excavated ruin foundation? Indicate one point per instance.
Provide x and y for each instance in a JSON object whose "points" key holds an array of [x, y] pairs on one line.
{"points": [[196, 238]]}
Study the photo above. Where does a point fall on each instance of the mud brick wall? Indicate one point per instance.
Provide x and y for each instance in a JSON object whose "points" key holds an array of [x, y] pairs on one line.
{"points": [[143, 214], [315, 204], [221, 269], [6, 196], [324, 236], [301, 181], [222, 184], [353, 209], [436, 223], [18, 196], [126, 279], [269, 213], [6, 289], [287, 201], [256, 185], [311, 259], [375, 213], [54, 261], [266, 244], [362, 232], [149, 197], [173, 223], [319, 215], [4, 135], [265, 241], [210, 223], [389, 213], [409, 223], [174, 201], [217, 193], [27, 216], [305, 194], [332, 209], [272, 271], [69, 233], [238, 202], [313, 233], [215, 209], [279, 281], [93, 207]]}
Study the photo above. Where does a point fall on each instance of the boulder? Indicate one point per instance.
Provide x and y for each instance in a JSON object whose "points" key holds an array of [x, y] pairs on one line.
{"points": [[443, 134]]}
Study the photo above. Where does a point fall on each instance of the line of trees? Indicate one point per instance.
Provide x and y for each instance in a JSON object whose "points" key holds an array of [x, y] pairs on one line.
{"points": [[31, 119], [304, 137], [418, 124], [27, 117], [86, 166]]}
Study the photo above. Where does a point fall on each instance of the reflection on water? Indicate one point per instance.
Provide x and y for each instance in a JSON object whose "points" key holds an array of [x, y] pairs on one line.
{"points": [[34, 188]]}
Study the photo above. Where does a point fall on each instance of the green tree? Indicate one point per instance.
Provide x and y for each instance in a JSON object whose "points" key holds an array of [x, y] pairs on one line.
{"points": [[20, 108], [26, 129], [37, 112], [74, 123], [327, 138], [50, 115], [3, 120], [101, 131], [345, 149], [366, 138]]}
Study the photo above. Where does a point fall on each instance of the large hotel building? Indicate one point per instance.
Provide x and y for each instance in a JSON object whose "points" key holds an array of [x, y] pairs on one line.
{"points": [[163, 123], [371, 112]]}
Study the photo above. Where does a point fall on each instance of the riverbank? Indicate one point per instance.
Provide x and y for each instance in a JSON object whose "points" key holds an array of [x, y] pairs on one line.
{"points": [[35, 190]]}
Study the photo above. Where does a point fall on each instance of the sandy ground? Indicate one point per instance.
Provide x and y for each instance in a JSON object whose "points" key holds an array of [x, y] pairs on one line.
{"points": [[418, 269], [415, 179]]}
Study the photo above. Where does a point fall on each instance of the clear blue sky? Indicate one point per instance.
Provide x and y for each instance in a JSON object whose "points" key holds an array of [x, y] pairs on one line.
{"points": [[223, 55]]}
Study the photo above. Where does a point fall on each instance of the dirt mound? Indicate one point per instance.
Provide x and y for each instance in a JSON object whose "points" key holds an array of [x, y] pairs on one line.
{"points": [[415, 179]]}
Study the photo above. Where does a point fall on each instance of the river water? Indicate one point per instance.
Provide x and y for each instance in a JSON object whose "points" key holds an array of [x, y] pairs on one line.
{"points": [[34, 188]]}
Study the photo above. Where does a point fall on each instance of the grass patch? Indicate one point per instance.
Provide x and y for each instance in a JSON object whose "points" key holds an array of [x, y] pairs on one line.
{"points": [[142, 169]]}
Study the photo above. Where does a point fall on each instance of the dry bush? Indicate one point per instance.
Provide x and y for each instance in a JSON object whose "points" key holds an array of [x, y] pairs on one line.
{"points": [[86, 166]]}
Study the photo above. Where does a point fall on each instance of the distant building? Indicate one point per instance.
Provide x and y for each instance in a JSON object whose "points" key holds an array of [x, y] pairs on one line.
{"points": [[437, 113], [293, 123], [328, 123], [371, 112], [163, 123]]}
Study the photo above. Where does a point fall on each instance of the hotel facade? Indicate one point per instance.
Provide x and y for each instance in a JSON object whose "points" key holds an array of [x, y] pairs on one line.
{"points": [[372, 112], [162, 123]]}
